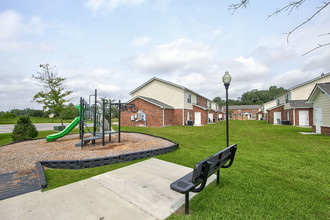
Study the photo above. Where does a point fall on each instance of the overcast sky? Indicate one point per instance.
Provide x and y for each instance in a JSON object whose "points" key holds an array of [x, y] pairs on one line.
{"points": [[116, 45]]}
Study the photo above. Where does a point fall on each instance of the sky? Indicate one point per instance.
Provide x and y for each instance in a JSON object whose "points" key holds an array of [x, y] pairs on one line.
{"points": [[114, 46]]}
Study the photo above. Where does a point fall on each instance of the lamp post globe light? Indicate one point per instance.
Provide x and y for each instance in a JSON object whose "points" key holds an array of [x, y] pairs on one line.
{"points": [[226, 79]]}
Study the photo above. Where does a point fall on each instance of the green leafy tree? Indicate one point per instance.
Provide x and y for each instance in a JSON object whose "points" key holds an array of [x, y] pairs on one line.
{"points": [[24, 129], [54, 95], [70, 112], [219, 101]]}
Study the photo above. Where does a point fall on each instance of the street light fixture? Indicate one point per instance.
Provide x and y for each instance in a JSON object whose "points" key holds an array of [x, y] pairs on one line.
{"points": [[226, 79]]}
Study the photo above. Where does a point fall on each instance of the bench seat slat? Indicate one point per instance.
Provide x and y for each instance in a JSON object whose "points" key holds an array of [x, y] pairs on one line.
{"points": [[184, 184]]}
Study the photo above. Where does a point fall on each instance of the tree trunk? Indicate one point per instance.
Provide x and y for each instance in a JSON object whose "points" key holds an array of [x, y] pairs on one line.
{"points": [[61, 121]]}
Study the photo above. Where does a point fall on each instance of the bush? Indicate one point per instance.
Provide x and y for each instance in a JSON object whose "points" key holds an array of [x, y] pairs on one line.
{"points": [[8, 115], [24, 129]]}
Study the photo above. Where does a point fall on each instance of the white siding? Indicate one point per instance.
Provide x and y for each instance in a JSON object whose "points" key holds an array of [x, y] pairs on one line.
{"points": [[303, 92], [163, 92], [268, 105], [324, 101]]}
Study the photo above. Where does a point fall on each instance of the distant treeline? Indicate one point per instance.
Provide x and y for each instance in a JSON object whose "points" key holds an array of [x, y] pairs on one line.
{"points": [[253, 97], [69, 112]]}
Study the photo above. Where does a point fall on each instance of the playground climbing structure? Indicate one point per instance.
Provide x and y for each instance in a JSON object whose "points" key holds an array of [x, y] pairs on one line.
{"points": [[96, 119]]}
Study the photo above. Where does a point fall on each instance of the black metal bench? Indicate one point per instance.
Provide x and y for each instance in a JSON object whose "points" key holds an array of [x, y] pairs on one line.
{"points": [[201, 172]]}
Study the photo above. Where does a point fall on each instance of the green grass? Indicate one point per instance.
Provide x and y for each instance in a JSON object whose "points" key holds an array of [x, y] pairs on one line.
{"points": [[277, 173]]}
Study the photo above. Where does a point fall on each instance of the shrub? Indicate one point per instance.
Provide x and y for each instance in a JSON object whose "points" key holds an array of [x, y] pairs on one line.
{"points": [[8, 115], [24, 129]]}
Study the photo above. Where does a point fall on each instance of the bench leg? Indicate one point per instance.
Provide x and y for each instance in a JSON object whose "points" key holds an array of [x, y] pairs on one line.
{"points": [[218, 176], [186, 203]]}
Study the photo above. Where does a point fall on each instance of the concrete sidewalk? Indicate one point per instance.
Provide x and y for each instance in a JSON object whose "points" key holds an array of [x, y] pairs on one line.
{"points": [[138, 191], [40, 127]]}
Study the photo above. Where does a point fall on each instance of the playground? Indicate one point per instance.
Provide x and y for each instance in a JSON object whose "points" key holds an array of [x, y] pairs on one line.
{"points": [[23, 156]]}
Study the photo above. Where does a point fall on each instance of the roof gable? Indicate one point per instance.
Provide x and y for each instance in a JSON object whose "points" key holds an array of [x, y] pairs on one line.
{"points": [[153, 101], [323, 87], [168, 83], [309, 81]]}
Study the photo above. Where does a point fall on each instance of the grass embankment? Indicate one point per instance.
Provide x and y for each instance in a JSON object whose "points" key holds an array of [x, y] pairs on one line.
{"points": [[277, 173]]}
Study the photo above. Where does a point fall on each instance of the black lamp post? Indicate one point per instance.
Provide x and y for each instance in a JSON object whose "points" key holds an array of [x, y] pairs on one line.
{"points": [[226, 81]]}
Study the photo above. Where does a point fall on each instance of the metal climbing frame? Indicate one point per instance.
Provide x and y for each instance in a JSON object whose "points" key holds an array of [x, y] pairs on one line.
{"points": [[97, 113]]}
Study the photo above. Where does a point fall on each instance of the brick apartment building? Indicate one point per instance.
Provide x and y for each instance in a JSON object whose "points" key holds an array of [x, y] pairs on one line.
{"points": [[162, 103]]}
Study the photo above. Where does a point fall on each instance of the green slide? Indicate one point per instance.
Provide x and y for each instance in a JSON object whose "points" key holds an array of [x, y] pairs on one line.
{"points": [[53, 137]]}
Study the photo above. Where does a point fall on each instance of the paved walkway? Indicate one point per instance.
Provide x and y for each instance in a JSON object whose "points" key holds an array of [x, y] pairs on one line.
{"points": [[138, 191], [40, 127]]}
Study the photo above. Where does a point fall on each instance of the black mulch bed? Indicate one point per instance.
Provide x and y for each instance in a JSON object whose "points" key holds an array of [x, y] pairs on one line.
{"points": [[18, 183]]}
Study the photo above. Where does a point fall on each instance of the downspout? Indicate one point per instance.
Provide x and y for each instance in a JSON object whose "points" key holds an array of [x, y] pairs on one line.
{"points": [[294, 116], [163, 117], [183, 109]]}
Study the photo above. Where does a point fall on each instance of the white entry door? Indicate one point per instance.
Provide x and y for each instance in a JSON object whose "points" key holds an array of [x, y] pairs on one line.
{"points": [[318, 119], [277, 118], [259, 116], [303, 118], [198, 118], [211, 117]]}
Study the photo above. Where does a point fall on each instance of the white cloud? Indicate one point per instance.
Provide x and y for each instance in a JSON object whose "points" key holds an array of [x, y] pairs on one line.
{"points": [[177, 55], [107, 6], [320, 62], [141, 41], [16, 28]]}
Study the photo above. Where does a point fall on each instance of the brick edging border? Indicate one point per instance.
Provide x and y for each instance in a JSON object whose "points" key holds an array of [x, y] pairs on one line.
{"points": [[102, 161]]}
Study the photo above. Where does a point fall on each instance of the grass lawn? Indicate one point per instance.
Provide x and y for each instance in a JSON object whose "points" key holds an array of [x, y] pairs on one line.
{"points": [[277, 173]]}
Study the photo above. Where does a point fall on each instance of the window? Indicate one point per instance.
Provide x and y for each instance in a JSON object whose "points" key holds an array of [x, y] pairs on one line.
{"points": [[210, 105], [198, 101], [287, 98], [278, 102], [189, 98], [239, 110], [205, 103]]}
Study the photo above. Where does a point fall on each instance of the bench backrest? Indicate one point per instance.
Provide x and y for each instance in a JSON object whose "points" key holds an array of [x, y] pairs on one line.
{"points": [[215, 161]]}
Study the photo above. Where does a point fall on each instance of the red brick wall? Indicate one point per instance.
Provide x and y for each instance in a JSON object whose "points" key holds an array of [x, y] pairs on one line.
{"points": [[202, 101], [271, 114], [154, 115], [310, 112], [325, 130], [177, 117], [204, 115]]}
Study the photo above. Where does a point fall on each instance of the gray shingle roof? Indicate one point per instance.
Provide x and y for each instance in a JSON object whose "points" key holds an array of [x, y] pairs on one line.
{"points": [[300, 104], [244, 106], [325, 87], [156, 102]]}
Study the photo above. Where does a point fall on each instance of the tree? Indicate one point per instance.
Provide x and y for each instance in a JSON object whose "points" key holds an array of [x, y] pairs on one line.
{"points": [[258, 97], [289, 7], [70, 112], [54, 95], [219, 101], [24, 129]]}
